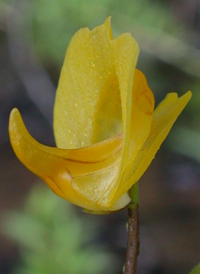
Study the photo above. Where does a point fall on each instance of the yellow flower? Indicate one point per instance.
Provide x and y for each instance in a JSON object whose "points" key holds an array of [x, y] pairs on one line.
{"points": [[105, 126]]}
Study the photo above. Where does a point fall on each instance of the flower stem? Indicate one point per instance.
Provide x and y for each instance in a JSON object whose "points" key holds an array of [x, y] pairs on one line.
{"points": [[133, 232]]}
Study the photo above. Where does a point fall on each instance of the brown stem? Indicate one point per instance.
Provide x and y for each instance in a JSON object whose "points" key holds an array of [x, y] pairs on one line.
{"points": [[133, 239]]}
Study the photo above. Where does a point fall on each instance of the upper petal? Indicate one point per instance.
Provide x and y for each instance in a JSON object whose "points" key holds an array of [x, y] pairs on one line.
{"points": [[88, 105]]}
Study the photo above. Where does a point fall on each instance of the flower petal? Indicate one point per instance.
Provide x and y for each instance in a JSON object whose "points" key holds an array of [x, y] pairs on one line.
{"points": [[80, 176], [141, 118], [37, 158], [141, 113], [126, 52], [88, 91], [163, 119]]}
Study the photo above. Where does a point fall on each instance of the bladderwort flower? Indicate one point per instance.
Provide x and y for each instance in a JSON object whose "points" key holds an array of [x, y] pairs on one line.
{"points": [[106, 129]]}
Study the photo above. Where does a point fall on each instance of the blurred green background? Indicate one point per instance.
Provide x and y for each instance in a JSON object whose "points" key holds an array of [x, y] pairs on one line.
{"points": [[47, 235]]}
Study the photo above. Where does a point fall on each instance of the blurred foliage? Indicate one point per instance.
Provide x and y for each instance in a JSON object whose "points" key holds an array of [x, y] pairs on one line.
{"points": [[188, 144], [53, 238], [55, 24], [196, 270]]}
